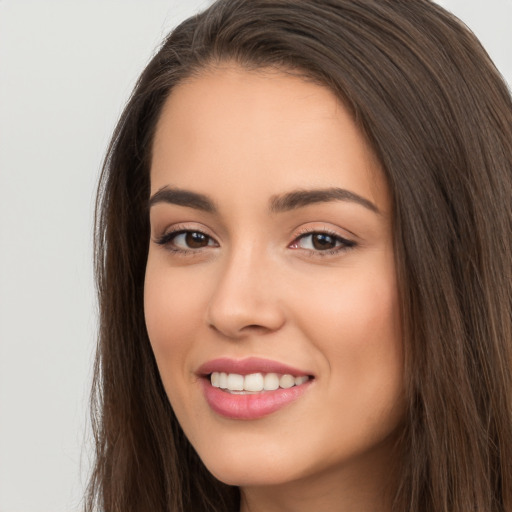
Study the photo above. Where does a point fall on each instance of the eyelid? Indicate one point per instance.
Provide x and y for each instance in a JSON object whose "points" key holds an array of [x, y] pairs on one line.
{"points": [[342, 244], [183, 226], [169, 234], [323, 228], [345, 243]]}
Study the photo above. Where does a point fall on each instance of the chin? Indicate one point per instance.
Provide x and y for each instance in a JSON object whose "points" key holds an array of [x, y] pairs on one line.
{"points": [[251, 467], [248, 475]]}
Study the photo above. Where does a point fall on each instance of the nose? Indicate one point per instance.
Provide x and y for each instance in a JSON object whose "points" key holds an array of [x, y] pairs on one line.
{"points": [[246, 298]]}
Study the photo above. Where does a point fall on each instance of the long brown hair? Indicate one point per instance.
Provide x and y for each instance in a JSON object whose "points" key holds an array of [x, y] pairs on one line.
{"points": [[439, 117]]}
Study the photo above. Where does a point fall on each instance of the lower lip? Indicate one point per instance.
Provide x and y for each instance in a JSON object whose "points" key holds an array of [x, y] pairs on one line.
{"points": [[251, 406]]}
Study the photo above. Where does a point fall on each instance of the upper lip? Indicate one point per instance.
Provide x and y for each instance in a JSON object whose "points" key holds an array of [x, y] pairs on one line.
{"points": [[247, 366]]}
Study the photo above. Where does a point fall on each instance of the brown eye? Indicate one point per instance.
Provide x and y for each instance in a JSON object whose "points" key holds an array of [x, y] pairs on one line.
{"points": [[186, 240], [196, 240], [323, 241]]}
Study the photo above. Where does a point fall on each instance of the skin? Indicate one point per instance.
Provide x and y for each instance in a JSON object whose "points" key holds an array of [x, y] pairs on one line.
{"points": [[259, 287]]}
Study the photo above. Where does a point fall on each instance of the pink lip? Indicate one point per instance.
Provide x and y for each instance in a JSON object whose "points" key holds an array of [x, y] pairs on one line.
{"points": [[251, 406], [247, 366]]}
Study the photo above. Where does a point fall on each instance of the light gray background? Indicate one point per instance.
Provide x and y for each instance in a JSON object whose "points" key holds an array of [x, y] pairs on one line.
{"points": [[66, 69]]}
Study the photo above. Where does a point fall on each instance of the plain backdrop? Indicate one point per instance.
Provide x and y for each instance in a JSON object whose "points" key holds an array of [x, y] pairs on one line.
{"points": [[66, 70]]}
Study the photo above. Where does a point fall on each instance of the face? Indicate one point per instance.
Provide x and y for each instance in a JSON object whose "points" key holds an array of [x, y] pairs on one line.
{"points": [[270, 294]]}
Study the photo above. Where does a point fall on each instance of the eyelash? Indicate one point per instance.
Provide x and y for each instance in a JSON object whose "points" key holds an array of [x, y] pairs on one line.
{"points": [[345, 244], [167, 238]]}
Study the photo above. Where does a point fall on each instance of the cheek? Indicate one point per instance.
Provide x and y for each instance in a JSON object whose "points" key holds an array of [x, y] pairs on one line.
{"points": [[360, 310], [172, 313], [356, 327]]}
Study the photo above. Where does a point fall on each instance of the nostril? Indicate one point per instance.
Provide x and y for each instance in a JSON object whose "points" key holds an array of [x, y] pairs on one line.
{"points": [[255, 327], [240, 332]]}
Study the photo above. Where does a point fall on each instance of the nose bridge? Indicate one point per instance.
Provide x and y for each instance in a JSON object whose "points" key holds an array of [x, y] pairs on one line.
{"points": [[244, 299]]}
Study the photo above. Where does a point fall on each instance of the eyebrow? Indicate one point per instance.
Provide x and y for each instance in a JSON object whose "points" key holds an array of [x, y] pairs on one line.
{"points": [[278, 204], [182, 197], [300, 198]]}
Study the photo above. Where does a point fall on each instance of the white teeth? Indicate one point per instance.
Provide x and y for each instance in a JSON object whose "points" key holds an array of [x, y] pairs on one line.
{"points": [[301, 380], [271, 381], [286, 381], [215, 378], [255, 382], [235, 382]]}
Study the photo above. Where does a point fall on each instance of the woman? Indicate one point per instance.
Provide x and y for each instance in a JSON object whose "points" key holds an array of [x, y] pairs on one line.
{"points": [[304, 265]]}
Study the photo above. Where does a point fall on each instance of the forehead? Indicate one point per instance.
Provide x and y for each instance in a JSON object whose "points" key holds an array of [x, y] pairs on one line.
{"points": [[265, 129]]}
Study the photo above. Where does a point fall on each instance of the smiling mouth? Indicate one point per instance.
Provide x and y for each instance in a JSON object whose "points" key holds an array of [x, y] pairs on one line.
{"points": [[235, 383], [251, 388]]}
